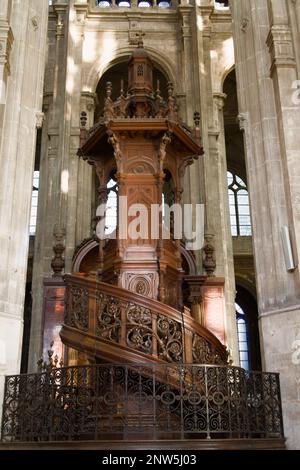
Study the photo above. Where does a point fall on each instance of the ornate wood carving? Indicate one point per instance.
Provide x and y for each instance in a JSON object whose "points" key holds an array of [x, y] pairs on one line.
{"points": [[77, 308], [203, 352], [209, 262], [108, 317], [134, 323], [139, 334]]}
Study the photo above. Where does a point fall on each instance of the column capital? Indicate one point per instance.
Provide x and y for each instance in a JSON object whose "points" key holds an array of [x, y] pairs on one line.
{"points": [[280, 44], [88, 100], [185, 11], [6, 42], [219, 99]]}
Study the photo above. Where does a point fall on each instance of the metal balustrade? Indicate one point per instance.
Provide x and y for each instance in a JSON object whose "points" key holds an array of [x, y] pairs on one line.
{"points": [[143, 402]]}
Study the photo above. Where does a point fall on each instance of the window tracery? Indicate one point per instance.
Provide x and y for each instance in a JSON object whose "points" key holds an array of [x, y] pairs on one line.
{"points": [[240, 220]]}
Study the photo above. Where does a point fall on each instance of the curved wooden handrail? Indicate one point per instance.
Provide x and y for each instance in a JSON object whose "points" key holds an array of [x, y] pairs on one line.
{"points": [[138, 324]]}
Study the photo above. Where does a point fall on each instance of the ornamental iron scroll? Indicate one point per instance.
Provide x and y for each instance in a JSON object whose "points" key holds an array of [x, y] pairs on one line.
{"points": [[161, 401], [139, 328], [204, 353], [170, 344], [108, 317], [77, 305]]}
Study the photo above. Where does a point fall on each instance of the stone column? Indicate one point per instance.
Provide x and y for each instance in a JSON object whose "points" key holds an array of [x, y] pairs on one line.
{"points": [[214, 169], [66, 181], [22, 108], [266, 68], [52, 178], [223, 232], [194, 191], [186, 100]]}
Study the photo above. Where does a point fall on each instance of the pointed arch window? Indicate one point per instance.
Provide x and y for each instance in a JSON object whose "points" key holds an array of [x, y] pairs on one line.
{"points": [[243, 337], [240, 220]]}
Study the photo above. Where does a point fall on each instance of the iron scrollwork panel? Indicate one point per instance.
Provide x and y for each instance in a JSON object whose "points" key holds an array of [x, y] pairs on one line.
{"points": [[139, 332], [203, 352], [108, 317], [77, 308], [169, 334]]}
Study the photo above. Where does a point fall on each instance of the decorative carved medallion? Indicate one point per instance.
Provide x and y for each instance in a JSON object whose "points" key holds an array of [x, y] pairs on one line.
{"points": [[143, 284], [140, 285]]}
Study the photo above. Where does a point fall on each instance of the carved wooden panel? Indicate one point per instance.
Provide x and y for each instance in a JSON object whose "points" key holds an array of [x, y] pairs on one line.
{"points": [[53, 311], [139, 282], [77, 308], [214, 310], [140, 158]]}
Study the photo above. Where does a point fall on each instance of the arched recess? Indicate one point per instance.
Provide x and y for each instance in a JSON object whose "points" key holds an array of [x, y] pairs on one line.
{"points": [[226, 74], [248, 285], [101, 66], [248, 305], [222, 64]]}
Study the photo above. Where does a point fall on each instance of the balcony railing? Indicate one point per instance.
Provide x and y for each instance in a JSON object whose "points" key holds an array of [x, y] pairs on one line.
{"points": [[142, 402]]}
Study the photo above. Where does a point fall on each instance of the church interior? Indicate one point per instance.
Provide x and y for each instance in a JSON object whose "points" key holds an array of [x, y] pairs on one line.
{"points": [[128, 130]]}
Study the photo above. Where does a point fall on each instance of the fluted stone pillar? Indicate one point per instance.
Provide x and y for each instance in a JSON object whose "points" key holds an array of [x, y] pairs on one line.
{"points": [[26, 23], [266, 70]]}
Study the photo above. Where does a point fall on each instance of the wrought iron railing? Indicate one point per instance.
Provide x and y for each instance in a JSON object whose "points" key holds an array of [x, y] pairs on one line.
{"points": [[141, 324], [142, 402]]}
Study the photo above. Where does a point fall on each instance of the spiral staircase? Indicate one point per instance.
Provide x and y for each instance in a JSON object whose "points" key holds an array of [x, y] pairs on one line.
{"points": [[116, 325]]}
